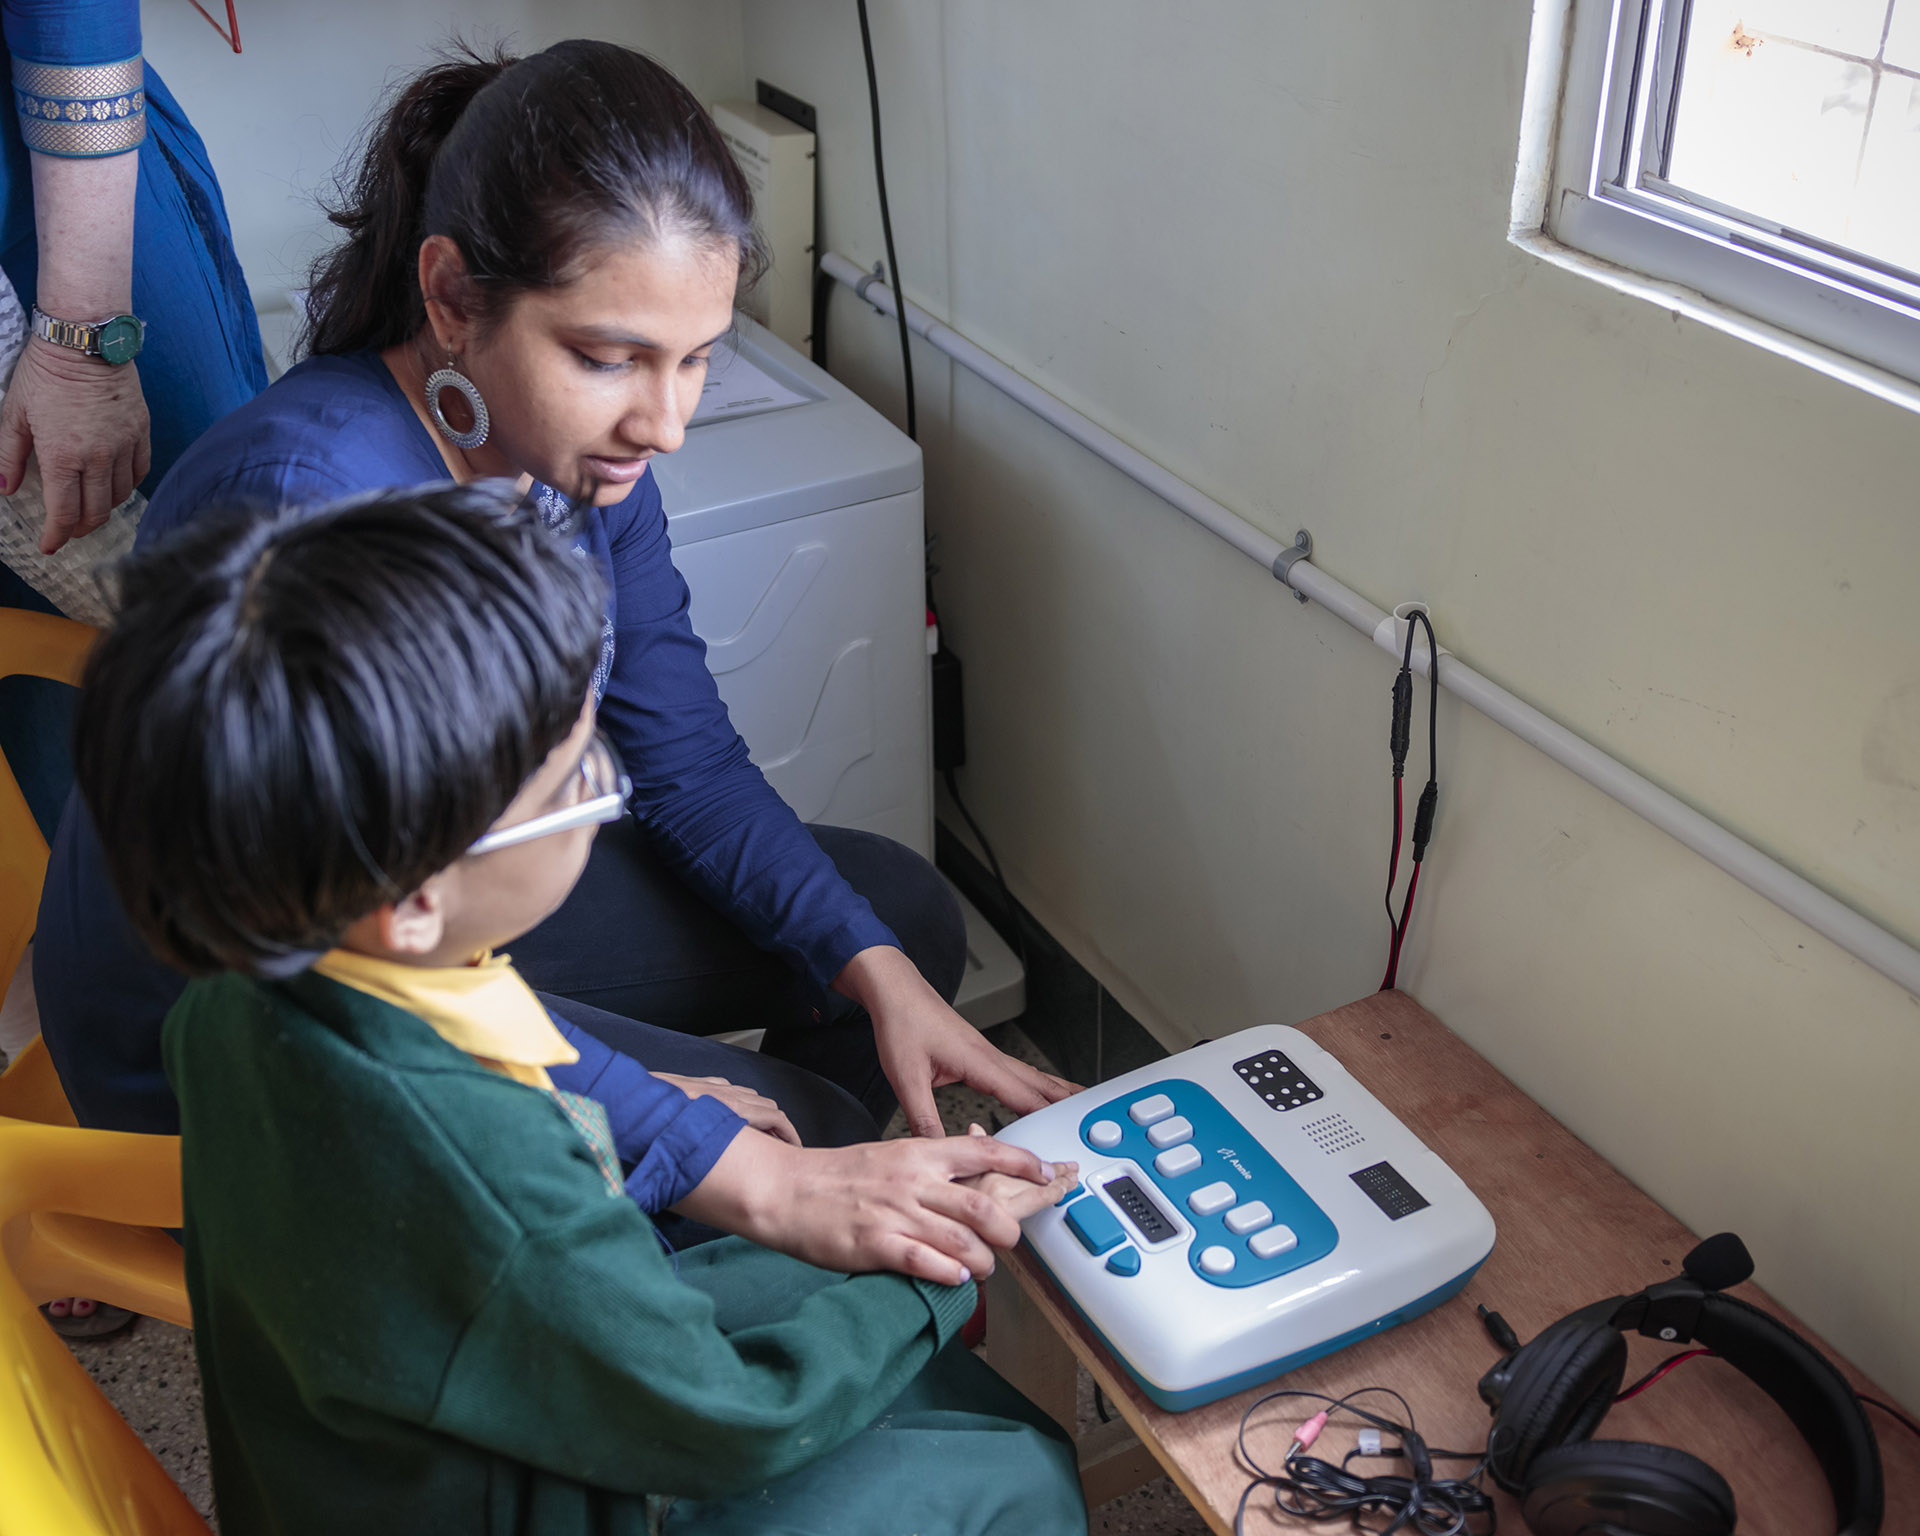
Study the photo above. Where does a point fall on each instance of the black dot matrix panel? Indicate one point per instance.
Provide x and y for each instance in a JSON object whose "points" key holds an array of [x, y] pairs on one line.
{"points": [[1385, 1188], [1277, 1080]]}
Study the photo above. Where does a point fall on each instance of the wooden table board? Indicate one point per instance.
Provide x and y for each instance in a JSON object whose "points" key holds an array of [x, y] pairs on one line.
{"points": [[1571, 1229]]}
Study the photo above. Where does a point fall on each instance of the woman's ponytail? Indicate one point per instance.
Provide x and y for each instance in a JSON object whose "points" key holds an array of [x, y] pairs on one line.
{"points": [[365, 291], [528, 166]]}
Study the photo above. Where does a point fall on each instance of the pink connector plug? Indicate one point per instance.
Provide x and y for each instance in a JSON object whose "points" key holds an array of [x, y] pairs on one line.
{"points": [[1307, 1433]]}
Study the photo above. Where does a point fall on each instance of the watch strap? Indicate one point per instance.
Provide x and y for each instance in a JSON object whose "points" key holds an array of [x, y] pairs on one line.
{"points": [[80, 335]]}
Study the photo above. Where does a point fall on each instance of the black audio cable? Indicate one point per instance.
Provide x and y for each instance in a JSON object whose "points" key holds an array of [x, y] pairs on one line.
{"points": [[1401, 739], [1309, 1488], [886, 222]]}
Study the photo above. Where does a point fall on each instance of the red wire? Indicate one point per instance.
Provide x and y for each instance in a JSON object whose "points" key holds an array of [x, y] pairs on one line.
{"points": [[1400, 933], [1678, 1360]]}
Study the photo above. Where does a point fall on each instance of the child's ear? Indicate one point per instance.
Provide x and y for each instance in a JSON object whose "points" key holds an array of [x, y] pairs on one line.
{"points": [[415, 924]]}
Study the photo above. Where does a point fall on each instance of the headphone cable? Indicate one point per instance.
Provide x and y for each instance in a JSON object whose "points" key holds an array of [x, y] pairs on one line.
{"points": [[1888, 1409], [1429, 796], [1658, 1373]]}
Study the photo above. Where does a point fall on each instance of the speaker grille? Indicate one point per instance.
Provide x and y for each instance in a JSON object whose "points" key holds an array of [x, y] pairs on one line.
{"points": [[1333, 1134]]}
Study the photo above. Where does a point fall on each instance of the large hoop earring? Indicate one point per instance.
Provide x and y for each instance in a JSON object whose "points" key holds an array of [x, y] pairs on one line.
{"points": [[452, 378]]}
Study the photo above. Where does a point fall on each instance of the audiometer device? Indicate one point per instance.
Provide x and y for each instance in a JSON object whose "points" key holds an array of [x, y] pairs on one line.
{"points": [[1243, 1208]]}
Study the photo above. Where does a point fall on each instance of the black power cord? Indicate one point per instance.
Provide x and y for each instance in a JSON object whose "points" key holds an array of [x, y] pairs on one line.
{"points": [[1012, 907], [1401, 739], [886, 225], [913, 429], [1309, 1488]]}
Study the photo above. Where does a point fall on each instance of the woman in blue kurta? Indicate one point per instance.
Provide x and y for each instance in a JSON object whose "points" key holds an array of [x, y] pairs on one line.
{"points": [[132, 222], [541, 256]]}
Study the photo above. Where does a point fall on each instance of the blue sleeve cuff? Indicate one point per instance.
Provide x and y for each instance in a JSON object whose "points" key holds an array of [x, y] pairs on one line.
{"points": [[684, 1154], [670, 1141], [828, 957]]}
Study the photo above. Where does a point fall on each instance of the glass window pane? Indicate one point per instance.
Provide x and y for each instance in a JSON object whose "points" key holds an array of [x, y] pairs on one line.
{"points": [[1851, 26], [1768, 127], [1886, 220], [1903, 37]]}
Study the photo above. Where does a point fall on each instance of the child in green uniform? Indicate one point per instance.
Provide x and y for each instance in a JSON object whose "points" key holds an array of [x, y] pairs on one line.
{"points": [[336, 758]]}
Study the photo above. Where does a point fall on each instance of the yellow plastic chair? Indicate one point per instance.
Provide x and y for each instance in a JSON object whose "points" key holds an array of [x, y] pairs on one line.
{"points": [[32, 645], [81, 1214]]}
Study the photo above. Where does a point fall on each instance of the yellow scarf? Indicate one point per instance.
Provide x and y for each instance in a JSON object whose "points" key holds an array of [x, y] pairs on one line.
{"points": [[484, 1009]]}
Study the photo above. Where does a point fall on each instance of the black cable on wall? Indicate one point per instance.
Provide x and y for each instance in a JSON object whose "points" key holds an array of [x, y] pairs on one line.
{"points": [[886, 223]]}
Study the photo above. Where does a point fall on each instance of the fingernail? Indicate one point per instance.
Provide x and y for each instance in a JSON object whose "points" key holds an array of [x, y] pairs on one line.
{"points": [[1047, 1173]]}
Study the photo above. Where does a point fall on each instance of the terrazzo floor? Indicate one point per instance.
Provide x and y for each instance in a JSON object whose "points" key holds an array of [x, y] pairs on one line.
{"points": [[148, 1373]]}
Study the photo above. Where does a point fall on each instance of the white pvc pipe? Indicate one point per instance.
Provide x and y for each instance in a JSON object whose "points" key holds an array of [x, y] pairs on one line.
{"points": [[1854, 932], [1132, 463]]}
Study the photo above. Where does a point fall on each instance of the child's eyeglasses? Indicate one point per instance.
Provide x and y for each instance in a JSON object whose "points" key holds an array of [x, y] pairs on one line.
{"points": [[606, 790]]}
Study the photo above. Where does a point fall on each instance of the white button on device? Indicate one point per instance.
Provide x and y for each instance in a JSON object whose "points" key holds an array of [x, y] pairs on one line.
{"points": [[1214, 1197], [1177, 1161], [1104, 1134], [1151, 1111], [1169, 1133], [1273, 1242], [1250, 1217], [1216, 1260]]}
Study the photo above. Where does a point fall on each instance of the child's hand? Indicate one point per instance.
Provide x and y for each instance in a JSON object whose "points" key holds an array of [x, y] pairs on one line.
{"points": [[1020, 1198], [896, 1205], [756, 1109]]}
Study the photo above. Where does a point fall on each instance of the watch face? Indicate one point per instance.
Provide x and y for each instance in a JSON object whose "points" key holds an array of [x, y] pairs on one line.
{"points": [[120, 339]]}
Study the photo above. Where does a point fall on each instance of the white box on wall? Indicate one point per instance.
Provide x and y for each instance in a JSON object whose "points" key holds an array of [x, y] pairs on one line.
{"points": [[777, 156]]}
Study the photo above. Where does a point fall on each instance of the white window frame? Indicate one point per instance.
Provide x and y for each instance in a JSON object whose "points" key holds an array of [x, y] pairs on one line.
{"points": [[1582, 199]]}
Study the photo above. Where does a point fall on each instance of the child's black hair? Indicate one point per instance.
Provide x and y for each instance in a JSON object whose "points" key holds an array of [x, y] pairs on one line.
{"points": [[301, 715]]}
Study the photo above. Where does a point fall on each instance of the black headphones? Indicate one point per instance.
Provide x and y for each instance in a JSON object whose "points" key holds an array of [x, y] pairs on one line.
{"points": [[1549, 1396]]}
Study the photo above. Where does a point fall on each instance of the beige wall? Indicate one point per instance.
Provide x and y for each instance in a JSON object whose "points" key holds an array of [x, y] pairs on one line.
{"points": [[1264, 242], [279, 117]]}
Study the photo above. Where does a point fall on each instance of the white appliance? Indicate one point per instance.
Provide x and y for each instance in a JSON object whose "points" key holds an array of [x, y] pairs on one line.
{"points": [[1243, 1208], [795, 512]]}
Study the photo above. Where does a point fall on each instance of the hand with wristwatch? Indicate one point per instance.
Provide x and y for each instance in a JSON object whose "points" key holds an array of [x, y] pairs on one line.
{"points": [[75, 401]]}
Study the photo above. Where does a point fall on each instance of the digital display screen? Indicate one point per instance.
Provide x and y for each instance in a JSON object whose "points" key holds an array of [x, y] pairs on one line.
{"points": [[1138, 1207]]}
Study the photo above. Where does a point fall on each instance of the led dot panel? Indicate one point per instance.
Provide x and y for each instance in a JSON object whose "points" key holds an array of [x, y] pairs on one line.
{"points": [[1277, 1080]]}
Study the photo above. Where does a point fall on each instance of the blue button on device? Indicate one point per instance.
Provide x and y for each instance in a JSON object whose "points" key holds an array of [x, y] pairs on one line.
{"points": [[1125, 1262], [1194, 1157], [1097, 1227]]}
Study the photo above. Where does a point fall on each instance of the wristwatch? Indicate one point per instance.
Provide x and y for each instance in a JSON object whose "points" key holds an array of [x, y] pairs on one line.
{"points": [[116, 339]]}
